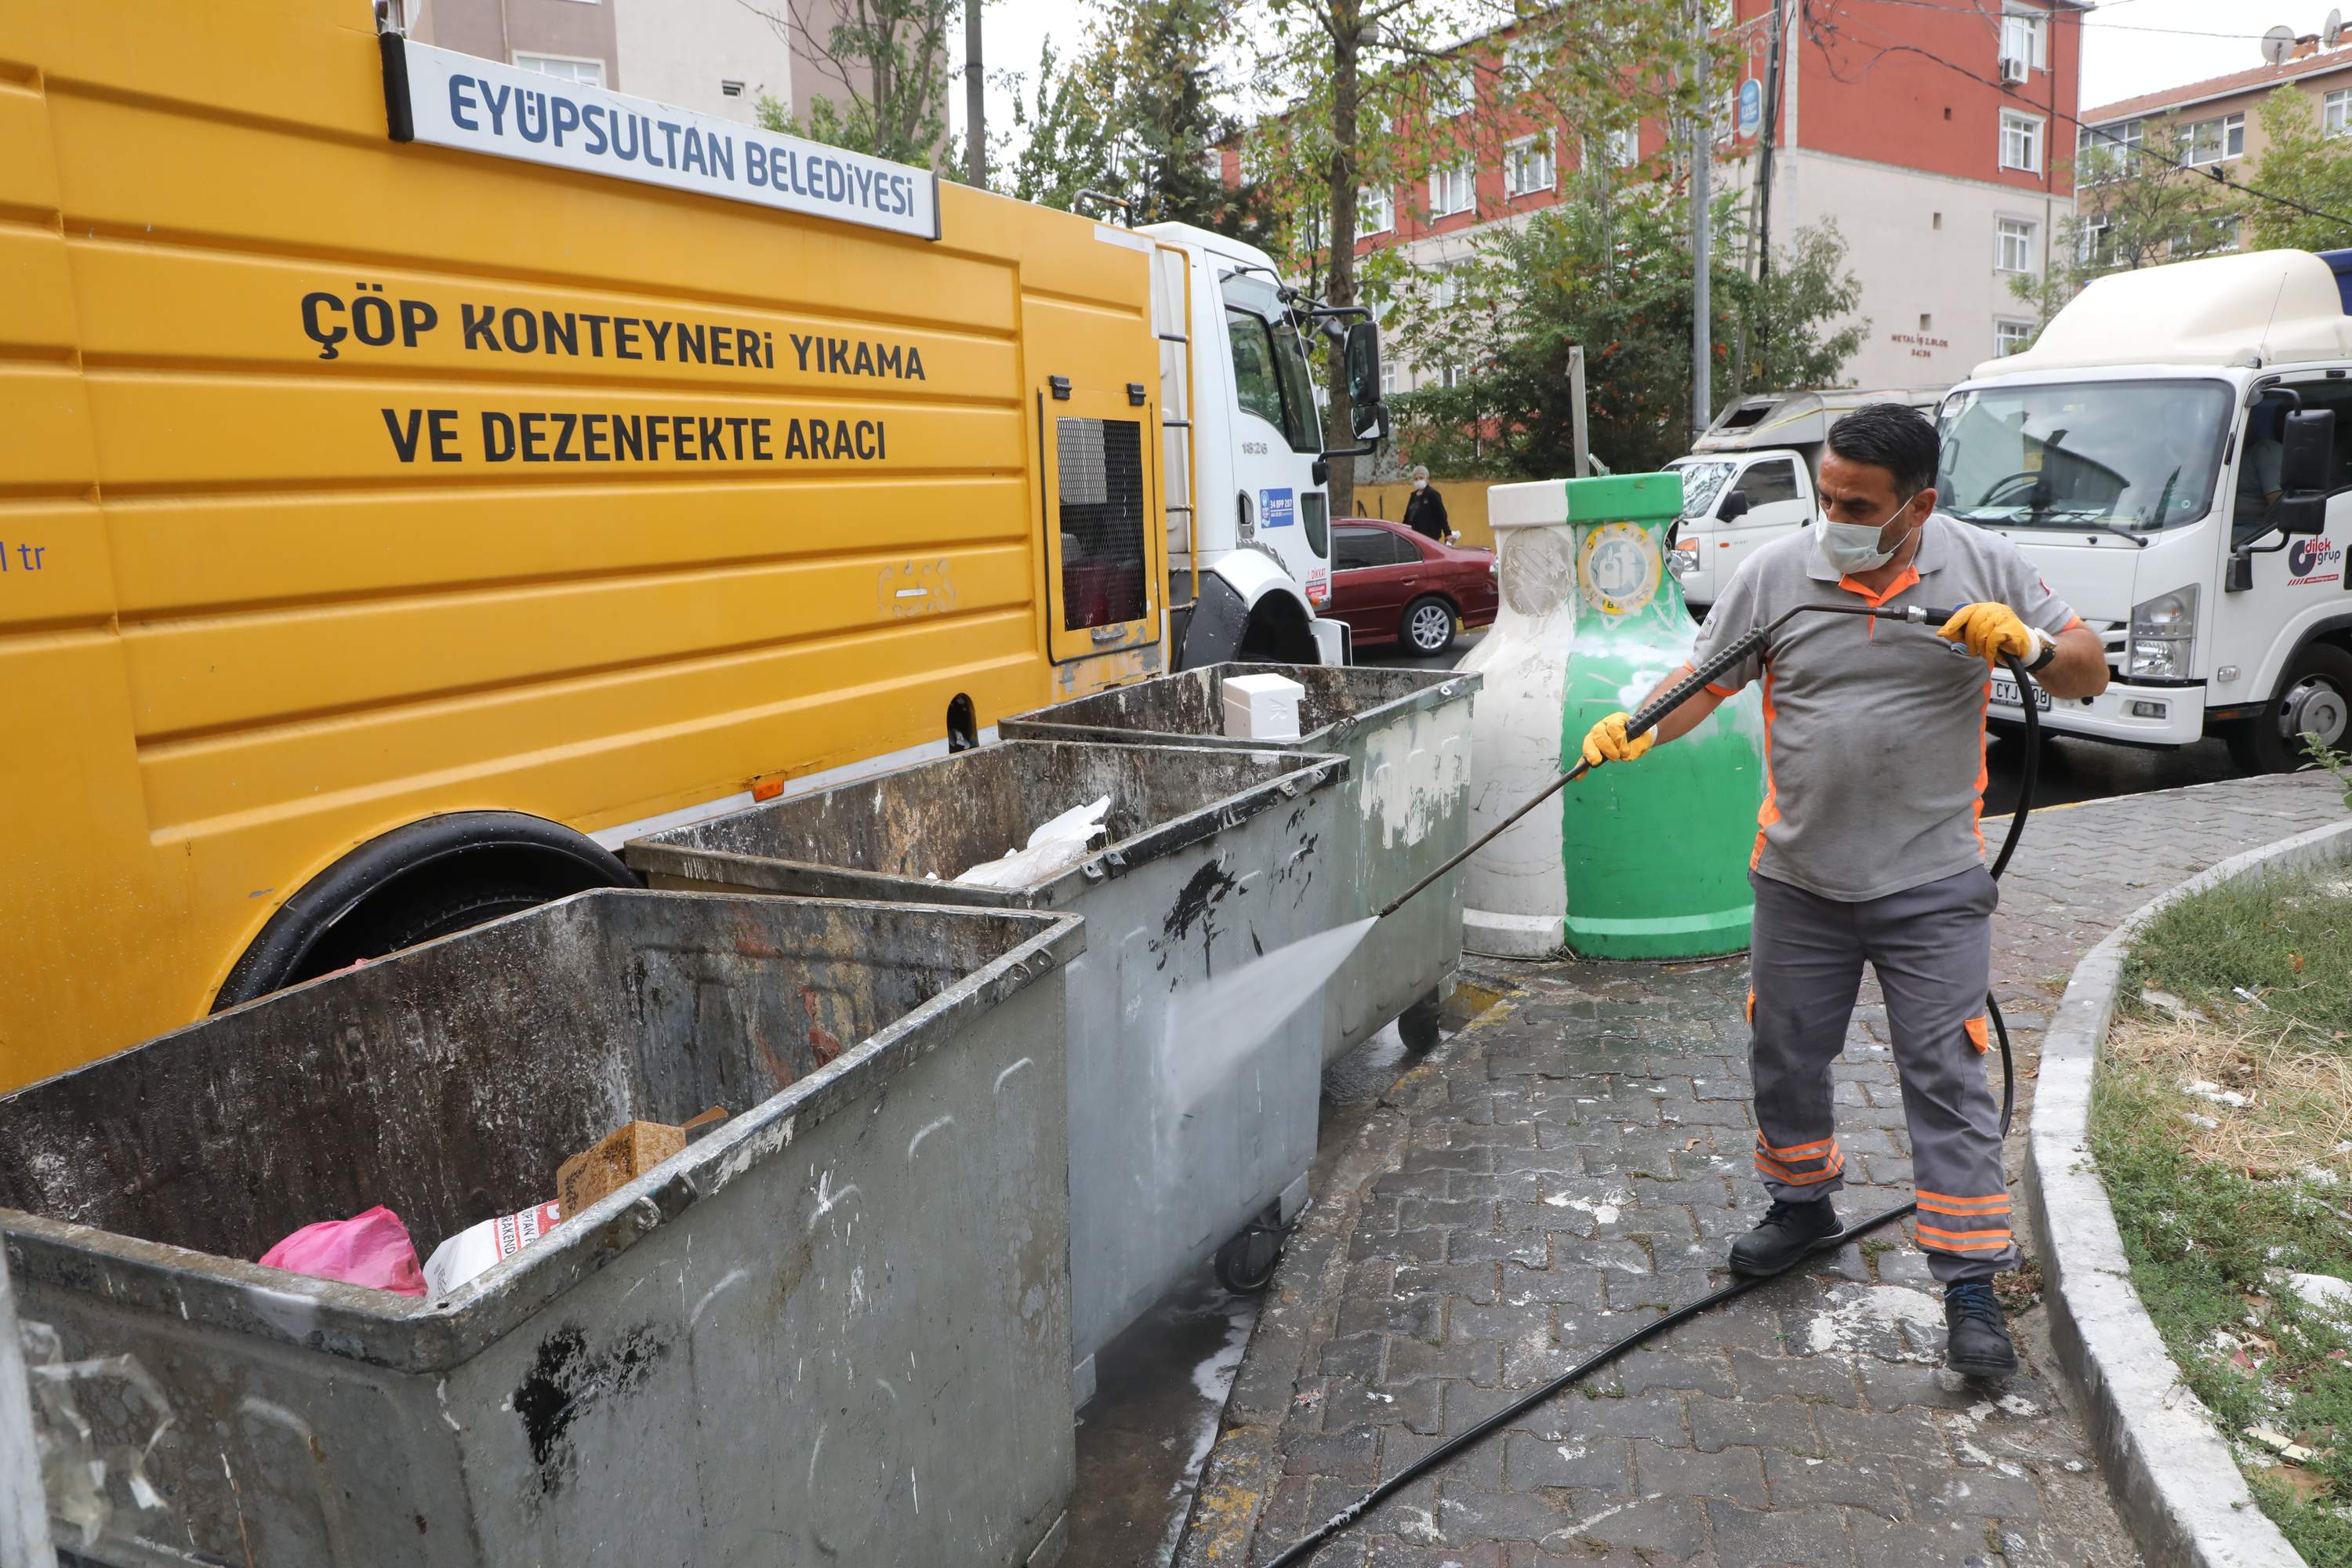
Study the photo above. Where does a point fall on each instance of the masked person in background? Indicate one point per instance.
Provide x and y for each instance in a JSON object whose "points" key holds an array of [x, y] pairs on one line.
{"points": [[1425, 509], [1869, 849]]}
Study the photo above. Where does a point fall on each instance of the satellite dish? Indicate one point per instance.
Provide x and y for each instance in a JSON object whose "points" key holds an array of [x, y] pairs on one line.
{"points": [[2332, 34], [2276, 43]]}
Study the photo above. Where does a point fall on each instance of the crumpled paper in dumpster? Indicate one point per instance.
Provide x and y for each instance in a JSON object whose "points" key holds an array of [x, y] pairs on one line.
{"points": [[470, 1251], [372, 1248], [620, 1157], [1056, 847]]}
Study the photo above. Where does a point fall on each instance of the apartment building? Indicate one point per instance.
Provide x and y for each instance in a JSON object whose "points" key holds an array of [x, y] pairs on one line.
{"points": [[2215, 122], [715, 56], [1934, 136]]}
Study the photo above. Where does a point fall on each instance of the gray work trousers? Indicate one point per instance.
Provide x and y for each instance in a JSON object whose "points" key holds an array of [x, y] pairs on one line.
{"points": [[1932, 948]]}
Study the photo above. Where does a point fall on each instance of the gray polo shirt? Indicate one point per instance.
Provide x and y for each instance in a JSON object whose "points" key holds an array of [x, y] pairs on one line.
{"points": [[1874, 731]]}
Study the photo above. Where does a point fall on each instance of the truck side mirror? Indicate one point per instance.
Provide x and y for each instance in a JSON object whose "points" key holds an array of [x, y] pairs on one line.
{"points": [[1363, 358], [2306, 458], [1370, 420], [1735, 506]]}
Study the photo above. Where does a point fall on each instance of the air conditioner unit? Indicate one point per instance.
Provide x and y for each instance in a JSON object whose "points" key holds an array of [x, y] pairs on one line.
{"points": [[2012, 69]]}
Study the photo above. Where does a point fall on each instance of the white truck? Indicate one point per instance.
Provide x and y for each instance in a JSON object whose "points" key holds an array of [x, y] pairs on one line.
{"points": [[1748, 479], [2170, 454], [1249, 526]]}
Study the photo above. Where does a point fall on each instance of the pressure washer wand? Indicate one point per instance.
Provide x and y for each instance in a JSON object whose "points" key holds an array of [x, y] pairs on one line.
{"points": [[1654, 711]]}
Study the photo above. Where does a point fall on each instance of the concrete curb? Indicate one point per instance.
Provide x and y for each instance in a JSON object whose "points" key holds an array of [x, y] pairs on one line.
{"points": [[2174, 1481]]}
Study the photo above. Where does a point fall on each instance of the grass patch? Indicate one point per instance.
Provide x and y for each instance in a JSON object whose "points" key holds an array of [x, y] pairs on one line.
{"points": [[2218, 1202], [2288, 940]]}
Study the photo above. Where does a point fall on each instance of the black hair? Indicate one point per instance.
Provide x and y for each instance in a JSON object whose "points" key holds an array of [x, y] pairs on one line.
{"points": [[1893, 437]]}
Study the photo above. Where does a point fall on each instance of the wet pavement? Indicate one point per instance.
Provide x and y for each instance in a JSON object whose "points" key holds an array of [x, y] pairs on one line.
{"points": [[1160, 1387], [1570, 1163]]}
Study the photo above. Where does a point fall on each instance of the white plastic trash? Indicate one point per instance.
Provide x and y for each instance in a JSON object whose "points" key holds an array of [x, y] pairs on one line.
{"points": [[1262, 707]]}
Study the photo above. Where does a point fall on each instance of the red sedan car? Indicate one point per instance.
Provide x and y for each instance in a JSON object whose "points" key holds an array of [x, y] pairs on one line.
{"points": [[1394, 586]]}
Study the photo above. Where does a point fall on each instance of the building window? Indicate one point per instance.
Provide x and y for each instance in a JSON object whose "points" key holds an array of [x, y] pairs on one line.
{"points": [[1375, 213], [2214, 141], [2212, 236], [1451, 375], [2021, 35], [1387, 378], [2115, 142], [2091, 241], [730, 89], [1454, 91], [2014, 246], [2336, 111], [1623, 146], [568, 67], [1445, 290], [1527, 166], [2012, 337], [1449, 189], [2021, 141]]}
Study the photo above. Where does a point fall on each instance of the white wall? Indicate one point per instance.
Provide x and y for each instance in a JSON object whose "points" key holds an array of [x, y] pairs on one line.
{"points": [[1909, 265], [678, 51]]}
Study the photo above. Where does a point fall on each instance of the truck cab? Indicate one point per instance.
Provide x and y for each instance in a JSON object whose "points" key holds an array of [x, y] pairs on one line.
{"points": [[1249, 523], [2175, 455], [1749, 480]]}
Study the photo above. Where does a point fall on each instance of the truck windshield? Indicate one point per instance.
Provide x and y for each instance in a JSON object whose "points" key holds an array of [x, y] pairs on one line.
{"points": [[2136, 456], [1270, 376], [1702, 483]]}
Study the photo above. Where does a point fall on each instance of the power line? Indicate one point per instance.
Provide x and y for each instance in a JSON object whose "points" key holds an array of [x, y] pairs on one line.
{"points": [[1821, 32]]}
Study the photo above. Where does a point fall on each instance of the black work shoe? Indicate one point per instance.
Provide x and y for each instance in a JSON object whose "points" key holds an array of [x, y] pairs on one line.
{"points": [[1977, 1331], [1785, 1233]]}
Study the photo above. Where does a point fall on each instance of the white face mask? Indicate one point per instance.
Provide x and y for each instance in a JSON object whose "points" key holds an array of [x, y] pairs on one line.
{"points": [[1853, 546], [1421, 484]]}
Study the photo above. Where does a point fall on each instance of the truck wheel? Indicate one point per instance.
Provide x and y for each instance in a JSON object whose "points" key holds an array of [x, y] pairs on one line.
{"points": [[1428, 627], [2315, 697]]}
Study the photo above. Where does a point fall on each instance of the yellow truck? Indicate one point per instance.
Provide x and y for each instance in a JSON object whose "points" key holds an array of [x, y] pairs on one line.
{"points": [[418, 475]]}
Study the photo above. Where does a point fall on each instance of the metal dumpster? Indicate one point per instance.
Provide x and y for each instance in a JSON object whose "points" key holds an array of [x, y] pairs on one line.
{"points": [[834, 1329], [1213, 859], [1406, 736]]}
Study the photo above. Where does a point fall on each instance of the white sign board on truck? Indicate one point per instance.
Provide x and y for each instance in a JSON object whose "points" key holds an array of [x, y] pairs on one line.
{"points": [[451, 99]]}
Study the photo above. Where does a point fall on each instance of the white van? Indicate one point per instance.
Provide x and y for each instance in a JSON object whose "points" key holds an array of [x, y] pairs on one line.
{"points": [[1749, 480]]}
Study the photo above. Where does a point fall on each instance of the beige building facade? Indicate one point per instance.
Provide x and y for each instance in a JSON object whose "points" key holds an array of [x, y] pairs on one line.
{"points": [[715, 57]]}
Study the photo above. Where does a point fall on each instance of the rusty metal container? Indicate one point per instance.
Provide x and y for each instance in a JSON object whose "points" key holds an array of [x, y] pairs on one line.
{"points": [[833, 1329], [1406, 811], [1214, 858]]}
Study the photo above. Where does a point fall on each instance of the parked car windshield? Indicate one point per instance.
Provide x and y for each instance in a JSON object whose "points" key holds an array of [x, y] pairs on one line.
{"points": [[1702, 483], [2136, 455]]}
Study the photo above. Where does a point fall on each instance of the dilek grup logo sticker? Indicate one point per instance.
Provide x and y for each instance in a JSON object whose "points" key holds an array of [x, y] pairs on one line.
{"points": [[2313, 561]]}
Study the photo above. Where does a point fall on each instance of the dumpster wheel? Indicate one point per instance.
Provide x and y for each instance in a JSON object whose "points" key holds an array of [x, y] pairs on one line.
{"points": [[1245, 1265]]}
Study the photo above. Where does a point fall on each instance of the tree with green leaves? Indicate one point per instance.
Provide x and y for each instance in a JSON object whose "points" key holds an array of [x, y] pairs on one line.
{"points": [[2306, 165], [888, 63], [2135, 205], [1138, 115], [1378, 89], [1608, 273]]}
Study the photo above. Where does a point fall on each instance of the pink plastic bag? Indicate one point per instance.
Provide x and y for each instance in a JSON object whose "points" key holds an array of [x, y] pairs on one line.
{"points": [[372, 1248]]}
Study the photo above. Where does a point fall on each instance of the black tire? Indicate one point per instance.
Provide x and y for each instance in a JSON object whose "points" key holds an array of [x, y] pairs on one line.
{"points": [[1245, 1265], [2316, 693], [1417, 1026], [1427, 628]]}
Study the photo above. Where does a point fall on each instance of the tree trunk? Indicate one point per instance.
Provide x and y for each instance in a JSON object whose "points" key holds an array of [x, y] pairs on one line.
{"points": [[1347, 32]]}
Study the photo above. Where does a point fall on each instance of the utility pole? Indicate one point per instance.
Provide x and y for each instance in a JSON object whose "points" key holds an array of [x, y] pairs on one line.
{"points": [[1702, 158], [975, 100], [1766, 135]]}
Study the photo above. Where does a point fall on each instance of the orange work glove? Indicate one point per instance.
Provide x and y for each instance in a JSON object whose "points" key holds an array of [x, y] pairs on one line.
{"points": [[1606, 742], [1989, 631]]}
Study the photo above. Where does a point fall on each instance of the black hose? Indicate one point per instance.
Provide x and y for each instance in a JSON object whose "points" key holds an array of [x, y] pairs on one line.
{"points": [[1651, 713]]}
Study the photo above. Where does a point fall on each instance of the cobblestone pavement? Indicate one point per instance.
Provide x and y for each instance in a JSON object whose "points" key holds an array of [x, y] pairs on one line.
{"points": [[1573, 1162]]}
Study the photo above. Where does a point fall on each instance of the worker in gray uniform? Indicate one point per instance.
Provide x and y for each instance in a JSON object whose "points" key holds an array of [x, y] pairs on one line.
{"points": [[1869, 848]]}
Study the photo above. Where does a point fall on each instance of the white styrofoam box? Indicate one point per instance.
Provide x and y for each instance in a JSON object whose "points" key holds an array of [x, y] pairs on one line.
{"points": [[1262, 707]]}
